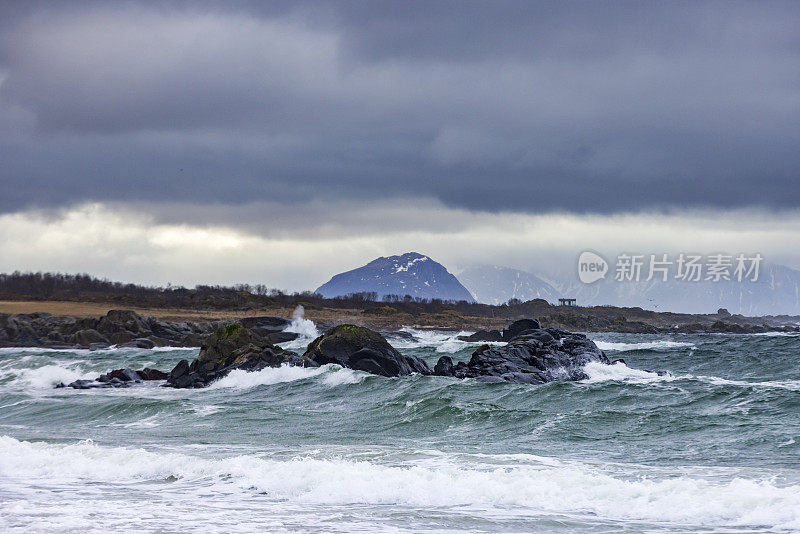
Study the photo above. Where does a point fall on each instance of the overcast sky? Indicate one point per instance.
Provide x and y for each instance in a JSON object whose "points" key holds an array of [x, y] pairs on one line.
{"points": [[281, 142]]}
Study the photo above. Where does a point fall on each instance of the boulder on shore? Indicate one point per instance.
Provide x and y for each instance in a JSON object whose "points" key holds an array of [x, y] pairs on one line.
{"points": [[231, 347], [356, 347]]}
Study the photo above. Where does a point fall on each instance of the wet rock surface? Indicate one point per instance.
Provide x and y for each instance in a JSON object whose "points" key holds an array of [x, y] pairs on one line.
{"points": [[232, 347], [118, 378], [483, 335], [360, 348], [532, 356]]}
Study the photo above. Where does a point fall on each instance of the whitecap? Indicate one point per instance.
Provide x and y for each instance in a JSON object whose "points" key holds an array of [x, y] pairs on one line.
{"points": [[647, 345], [600, 372], [790, 385], [573, 489], [48, 376], [441, 341], [332, 375]]}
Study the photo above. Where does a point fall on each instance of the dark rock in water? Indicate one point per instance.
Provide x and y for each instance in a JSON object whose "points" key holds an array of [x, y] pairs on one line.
{"points": [[619, 360], [140, 343], [399, 334], [125, 375], [483, 335], [152, 374], [444, 367], [86, 384], [117, 378], [534, 357], [232, 347], [518, 327], [659, 372], [363, 349]]}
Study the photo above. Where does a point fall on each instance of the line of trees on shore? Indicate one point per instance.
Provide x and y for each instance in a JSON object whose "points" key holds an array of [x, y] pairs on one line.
{"points": [[84, 287]]}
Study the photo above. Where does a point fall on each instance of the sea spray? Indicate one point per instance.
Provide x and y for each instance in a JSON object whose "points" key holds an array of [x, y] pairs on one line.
{"points": [[300, 325], [527, 487]]}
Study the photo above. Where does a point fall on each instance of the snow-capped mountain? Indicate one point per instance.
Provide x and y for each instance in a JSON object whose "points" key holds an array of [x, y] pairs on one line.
{"points": [[493, 284], [409, 274]]}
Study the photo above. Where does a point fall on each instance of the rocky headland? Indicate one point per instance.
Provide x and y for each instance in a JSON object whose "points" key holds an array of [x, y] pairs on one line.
{"points": [[124, 328]]}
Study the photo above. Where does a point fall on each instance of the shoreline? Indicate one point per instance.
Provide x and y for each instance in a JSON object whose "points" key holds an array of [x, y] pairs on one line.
{"points": [[590, 320]]}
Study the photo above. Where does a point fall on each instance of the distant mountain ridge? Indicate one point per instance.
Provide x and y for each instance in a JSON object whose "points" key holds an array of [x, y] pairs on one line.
{"points": [[408, 274], [493, 284], [776, 292]]}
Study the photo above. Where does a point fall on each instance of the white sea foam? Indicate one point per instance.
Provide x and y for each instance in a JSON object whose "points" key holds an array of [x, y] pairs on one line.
{"points": [[446, 342], [777, 334], [600, 372], [790, 385], [533, 488], [114, 349], [647, 345], [331, 375], [47, 376]]}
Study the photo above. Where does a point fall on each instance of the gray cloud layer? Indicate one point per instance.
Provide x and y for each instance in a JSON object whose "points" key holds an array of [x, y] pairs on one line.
{"points": [[494, 106]]}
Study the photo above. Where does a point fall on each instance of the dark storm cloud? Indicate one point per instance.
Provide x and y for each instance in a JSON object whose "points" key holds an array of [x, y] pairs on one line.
{"points": [[498, 106]]}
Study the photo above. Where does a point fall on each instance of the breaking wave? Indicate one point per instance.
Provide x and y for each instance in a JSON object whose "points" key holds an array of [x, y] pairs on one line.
{"points": [[526, 486], [648, 345], [330, 375]]}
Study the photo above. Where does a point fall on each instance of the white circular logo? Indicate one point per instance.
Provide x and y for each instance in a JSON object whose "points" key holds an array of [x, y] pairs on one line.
{"points": [[591, 267]]}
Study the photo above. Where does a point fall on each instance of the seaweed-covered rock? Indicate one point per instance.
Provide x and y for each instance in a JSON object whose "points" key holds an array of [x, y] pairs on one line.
{"points": [[535, 357], [231, 347], [363, 349]]}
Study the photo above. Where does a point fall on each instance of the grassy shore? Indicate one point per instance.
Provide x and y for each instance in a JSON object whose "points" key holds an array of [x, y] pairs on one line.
{"points": [[390, 317], [323, 316]]}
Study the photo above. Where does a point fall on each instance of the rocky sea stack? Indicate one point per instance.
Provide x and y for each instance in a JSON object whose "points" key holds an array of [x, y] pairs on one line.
{"points": [[533, 355], [362, 349], [231, 347]]}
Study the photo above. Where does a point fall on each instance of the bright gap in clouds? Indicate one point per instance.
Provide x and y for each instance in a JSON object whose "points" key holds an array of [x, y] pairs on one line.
{"points": [[290, 250]]}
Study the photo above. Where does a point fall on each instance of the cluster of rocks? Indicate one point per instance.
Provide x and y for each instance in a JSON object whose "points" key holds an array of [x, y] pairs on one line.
{"points": [[123, 328], [532, 355], [233, 346], [236, 347], [515, 329], [118, 378]]}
